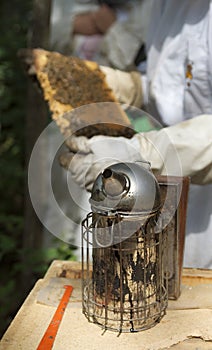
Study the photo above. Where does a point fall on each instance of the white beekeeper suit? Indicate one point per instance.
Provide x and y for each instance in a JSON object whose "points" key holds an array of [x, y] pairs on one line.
{"points": [[180, 87], [179, 65], [177, 87]]}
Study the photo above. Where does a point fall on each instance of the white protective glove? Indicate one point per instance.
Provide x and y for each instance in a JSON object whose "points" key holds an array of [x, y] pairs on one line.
{"points": [[126, 86], [181, 150], [95, 154]]}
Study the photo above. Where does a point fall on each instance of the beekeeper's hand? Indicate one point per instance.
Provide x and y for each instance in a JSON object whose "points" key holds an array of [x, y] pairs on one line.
{"points": [[126, 86], [88, 157], [94, 22], [104, 17], [184, 149]]}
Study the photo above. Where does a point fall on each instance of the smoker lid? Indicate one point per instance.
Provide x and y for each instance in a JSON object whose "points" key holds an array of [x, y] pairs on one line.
{"points": [[126, 188]]}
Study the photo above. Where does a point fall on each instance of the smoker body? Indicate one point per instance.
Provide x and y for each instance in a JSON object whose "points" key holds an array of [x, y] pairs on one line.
{"points": [[124, 249]]}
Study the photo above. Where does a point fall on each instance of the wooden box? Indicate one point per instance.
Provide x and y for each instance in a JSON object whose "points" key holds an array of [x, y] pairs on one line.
{"points": [[174, 195]]}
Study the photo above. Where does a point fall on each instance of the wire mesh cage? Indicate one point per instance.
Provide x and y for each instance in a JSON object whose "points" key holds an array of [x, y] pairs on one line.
{"points": [[124, 285]]}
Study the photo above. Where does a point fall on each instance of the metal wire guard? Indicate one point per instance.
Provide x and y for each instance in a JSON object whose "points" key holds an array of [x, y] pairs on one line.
{"points": [[124, 287]]}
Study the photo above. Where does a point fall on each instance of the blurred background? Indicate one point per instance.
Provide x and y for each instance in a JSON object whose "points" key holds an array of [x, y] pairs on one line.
{"points": [[24, 253]]}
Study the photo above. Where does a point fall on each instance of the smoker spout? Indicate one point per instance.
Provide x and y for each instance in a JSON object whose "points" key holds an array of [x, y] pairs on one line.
{"points": [[114, 183]]}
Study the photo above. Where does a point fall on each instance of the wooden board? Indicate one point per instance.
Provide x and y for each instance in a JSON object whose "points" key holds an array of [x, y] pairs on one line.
{"points": [[180, 329]]}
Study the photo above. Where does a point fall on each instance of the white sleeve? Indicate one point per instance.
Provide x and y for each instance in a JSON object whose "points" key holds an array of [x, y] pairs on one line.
{"points": [[125, 37], [184, 149]]}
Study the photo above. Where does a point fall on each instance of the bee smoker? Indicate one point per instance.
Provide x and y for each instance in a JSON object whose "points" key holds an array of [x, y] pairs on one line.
{"points": [[124, 284]]}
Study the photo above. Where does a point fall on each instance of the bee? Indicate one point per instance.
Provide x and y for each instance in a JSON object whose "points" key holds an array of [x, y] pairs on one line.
{"points": [[189, 74]]}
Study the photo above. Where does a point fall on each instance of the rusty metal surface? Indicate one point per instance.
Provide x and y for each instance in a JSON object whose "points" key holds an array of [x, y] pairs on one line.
{"points": [[174, 194], [127, 291]]}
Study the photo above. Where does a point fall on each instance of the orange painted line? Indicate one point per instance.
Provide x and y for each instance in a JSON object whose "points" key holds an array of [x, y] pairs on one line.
{"points": [[49, 336]]}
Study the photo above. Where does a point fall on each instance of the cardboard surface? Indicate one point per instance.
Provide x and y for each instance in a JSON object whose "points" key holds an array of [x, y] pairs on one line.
{"points": [[187, 325]]}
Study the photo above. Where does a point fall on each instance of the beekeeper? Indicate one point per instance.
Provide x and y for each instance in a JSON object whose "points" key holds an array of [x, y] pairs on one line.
{"points": [[177, 90], [117, 42], [110, 32]]}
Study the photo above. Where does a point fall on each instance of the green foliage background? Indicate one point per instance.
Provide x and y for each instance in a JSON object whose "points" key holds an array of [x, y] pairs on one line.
{"points": [[14, 27], [14, 23]]}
